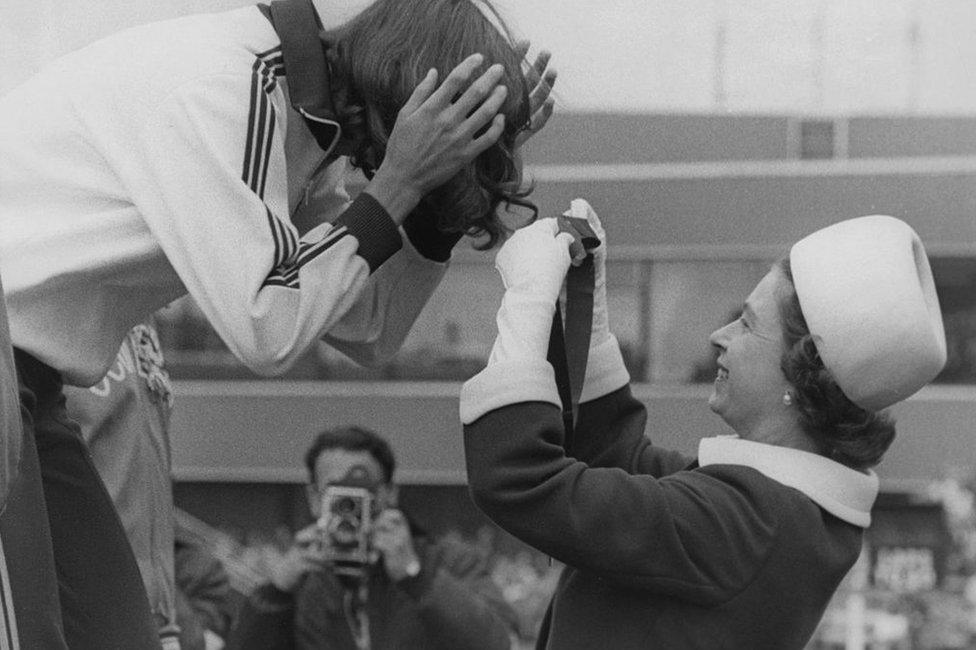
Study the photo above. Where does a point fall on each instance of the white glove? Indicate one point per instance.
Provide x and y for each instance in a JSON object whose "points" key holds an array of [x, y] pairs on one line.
{"points": [[535, 259], [581, 209], [533, 264]]}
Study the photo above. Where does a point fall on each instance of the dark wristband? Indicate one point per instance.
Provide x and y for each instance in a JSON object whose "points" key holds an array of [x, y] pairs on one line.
{"points": [[368, 221], [429, 241]]}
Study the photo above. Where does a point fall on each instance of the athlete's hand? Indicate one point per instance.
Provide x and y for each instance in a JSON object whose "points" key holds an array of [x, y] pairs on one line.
{"points": [[541, 79], [441, 129]]}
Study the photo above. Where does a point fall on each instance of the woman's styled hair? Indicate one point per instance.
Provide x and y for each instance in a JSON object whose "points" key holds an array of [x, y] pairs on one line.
{"points": [[844, 431], [384, 53]]}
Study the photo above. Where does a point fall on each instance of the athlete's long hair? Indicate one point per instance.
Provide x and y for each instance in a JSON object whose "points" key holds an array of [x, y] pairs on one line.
{"points": [[383, 54]]}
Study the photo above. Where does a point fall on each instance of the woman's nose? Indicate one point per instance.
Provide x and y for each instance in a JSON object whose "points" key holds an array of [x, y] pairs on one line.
{"points": [[719, 336], [713, 337]]}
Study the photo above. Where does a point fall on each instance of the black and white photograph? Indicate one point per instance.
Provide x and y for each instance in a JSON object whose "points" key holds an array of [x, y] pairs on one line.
{"points": [[487, 325]]}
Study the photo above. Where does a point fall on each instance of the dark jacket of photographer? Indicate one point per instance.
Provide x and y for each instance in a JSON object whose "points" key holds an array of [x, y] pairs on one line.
{"points": [[452, 603]]}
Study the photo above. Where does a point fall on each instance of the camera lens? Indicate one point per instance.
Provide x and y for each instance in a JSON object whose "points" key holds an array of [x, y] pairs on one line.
{"points": [[345, 506]]}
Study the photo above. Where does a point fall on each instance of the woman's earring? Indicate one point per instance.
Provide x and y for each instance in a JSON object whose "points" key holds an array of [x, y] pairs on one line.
{"points": [[787, 399]]}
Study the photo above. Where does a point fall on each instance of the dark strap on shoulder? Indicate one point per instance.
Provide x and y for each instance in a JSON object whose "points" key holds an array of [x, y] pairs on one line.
{"points": [[306, 68], [569, 343], [297, 24]]}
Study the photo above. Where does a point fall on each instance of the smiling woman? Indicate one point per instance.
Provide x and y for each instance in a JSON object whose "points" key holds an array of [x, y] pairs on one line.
{"points": [[749, 386], [682, 552], [780, 391]]}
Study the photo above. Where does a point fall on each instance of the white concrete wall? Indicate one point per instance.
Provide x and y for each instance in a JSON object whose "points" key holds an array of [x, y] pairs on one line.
{"points": [[797, 56]]}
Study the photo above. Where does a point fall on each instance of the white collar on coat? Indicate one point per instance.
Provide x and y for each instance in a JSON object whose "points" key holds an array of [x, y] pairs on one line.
{"points": [[840, 490]]}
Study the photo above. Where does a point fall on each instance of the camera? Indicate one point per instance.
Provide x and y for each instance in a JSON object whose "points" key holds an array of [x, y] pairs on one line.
{"points": [[345, 526]]}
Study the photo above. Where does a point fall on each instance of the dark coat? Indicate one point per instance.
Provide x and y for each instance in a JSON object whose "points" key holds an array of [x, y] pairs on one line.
{"points": [[660, 552]]}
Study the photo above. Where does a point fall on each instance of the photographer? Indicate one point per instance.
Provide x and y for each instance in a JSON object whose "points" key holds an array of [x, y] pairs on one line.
{"points": [[411, 591]]}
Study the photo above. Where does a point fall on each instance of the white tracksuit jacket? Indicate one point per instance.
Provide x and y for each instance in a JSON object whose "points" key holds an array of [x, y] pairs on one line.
{"points": [[152, 163]]}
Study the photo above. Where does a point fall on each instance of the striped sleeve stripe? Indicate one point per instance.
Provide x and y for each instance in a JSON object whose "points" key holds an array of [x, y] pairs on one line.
{"points": [[277, 236], [309, 253], [279, 281], [251, 111], [288, 276], [285, 240], [261, 119], [268, 85], [260, 130], [273, 60], [257, 151], [272, 56], [9, 637]]}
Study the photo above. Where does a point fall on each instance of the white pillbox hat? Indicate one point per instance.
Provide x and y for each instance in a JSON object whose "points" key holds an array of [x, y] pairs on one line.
{"points": [[866, 291]]}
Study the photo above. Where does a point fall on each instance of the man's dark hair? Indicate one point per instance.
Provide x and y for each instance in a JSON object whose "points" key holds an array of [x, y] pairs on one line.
{"points": [[352, 438]]}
